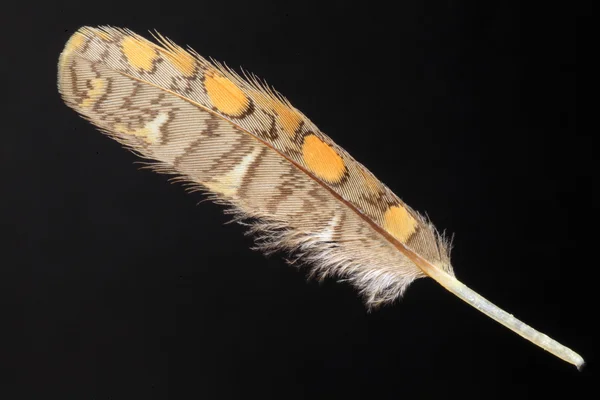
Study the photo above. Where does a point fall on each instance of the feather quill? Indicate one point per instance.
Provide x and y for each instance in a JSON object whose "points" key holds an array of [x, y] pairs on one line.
{"points": [[247, 147]]}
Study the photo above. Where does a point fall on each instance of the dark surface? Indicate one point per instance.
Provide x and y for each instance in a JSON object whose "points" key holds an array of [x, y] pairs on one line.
{"points": [[115, 285]]}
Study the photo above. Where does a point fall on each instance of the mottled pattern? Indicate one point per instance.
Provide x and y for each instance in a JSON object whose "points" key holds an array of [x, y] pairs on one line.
{"points": [[252, 149]]}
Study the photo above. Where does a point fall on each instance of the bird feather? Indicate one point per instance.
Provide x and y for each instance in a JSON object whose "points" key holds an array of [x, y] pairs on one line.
{"points": [[246, 146]]}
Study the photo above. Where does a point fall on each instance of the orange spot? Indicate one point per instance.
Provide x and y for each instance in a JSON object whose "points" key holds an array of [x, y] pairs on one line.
{"points": [[182, 60], [322, 160], [399, 223], [372, 185], [139, 54], [225, 95], [103, 35], [75, 42], [289, 118]]}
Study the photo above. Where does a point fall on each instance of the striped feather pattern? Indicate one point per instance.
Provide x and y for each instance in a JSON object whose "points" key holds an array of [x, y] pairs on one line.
{"points": [[249, 148], [246, 144]]}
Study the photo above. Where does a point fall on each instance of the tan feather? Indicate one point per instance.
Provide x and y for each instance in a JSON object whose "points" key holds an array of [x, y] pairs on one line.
{"points": [[249, 148]]}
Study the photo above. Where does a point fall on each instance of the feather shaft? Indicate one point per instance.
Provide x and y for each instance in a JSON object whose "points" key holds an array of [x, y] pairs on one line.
{"points": [[477, 301], [482, 304]]}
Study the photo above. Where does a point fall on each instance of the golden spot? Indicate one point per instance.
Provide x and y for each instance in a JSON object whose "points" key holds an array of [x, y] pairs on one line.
{"points": [[75, 42], [140, 54], [399, 223], [103, 35], [150, 132], [182, 60], [225, 95], [371, 184], [94, 94], [289, 118], [322, 160]]}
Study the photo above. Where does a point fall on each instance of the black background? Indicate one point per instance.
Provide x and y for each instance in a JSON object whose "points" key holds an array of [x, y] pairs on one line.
{"points": [[115, 285]]}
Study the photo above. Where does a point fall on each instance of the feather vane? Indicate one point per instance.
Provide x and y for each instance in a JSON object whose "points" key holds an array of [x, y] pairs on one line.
{"points": [[248, 147]]}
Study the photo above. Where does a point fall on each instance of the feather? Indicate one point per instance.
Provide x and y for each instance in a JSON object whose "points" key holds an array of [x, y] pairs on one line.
{"points": [[246, 146]]}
